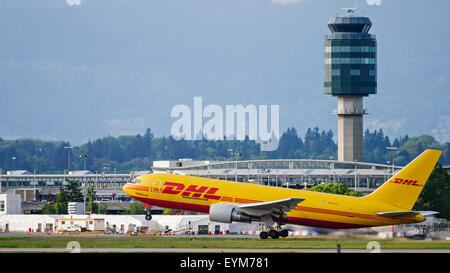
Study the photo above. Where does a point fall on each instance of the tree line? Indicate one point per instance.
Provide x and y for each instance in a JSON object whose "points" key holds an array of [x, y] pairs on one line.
{"points": [[137, 152]]}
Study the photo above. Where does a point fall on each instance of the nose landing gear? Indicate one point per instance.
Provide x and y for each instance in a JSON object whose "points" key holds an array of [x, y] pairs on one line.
{"points": [[148, 216], [148, 212]]}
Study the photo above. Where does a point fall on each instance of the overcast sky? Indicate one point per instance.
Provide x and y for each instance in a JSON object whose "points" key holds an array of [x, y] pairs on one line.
{"points": [[77, 70]]}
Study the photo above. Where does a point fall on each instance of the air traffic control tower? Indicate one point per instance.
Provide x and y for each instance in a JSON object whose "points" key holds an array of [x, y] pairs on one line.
{"points": [[350, 74]]}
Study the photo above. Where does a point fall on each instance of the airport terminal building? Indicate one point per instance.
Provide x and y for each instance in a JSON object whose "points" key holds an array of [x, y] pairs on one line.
{"points": [[292, 173], [37, 189]]}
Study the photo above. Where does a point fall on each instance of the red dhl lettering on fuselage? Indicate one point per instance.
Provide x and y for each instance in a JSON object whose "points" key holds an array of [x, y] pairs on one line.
{"points": [[194, 191], [408, 182], [200, 192]]}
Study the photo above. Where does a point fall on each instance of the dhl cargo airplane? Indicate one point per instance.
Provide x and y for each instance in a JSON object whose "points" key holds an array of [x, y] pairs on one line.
{"points": [[227, 201]]}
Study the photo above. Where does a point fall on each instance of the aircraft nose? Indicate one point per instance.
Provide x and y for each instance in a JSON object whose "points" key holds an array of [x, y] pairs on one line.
{"points": [[126, 188]]}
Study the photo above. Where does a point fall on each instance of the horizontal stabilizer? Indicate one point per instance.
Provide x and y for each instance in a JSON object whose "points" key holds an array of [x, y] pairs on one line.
{"points": [[395, 214], [428, 213]]}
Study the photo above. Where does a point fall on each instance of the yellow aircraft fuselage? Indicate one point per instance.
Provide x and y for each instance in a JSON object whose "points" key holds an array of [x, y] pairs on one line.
{"points": [[319, 209]]}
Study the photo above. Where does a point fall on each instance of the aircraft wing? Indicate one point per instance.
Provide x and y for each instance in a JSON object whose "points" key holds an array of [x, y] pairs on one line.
{"points": [[395, 214], [276, 208]]}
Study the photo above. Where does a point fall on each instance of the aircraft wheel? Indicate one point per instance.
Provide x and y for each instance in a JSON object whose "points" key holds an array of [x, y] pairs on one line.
{"points": [[263, 235], [284, 233], [274, 234], [148, 213]]}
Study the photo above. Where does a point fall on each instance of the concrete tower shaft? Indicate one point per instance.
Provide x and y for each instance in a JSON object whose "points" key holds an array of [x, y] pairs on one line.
{"points": [[350, 128]]}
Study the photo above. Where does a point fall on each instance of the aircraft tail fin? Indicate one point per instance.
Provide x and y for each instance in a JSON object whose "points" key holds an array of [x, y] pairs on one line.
{"points": [[403, 189]]}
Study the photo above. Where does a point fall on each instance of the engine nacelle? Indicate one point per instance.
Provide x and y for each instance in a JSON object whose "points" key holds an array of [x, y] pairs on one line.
{"points": [[226, 213]]}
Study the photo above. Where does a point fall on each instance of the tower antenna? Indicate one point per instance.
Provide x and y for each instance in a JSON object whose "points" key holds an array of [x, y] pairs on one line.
{"points": [[336, 10], [350, 11]]}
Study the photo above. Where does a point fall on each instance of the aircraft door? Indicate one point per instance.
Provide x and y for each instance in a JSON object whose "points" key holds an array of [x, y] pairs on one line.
{"points": [[156, 187]]}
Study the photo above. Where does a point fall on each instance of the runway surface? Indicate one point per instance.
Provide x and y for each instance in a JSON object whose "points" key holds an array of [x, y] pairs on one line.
{"points": [[219, 250]]}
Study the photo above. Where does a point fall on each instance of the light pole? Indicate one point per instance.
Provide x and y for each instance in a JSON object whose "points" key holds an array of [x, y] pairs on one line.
{"points": [[393, 149], [34, 184], [14, 163], [84, 157], [230, 151], [236, 155], [105, 171], [68, 148]]}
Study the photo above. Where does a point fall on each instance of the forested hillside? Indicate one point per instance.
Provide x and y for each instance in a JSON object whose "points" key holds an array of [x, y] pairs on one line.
{"points": [[137, 152]]}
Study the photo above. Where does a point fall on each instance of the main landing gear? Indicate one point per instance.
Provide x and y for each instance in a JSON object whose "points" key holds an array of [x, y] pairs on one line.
{"points": [[274, 233], [148, 212]]}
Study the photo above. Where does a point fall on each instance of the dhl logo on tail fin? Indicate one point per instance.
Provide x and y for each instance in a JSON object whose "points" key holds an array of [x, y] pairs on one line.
{"points": [[403, 189], [408, 182]]}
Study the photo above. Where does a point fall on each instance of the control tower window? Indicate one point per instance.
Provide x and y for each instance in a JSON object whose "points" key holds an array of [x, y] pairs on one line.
{"points": [[335, 72], [339, 49], [355, 72]]}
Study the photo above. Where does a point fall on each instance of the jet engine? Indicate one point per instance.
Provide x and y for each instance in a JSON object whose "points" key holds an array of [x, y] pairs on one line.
{"points": [[226, 213]]}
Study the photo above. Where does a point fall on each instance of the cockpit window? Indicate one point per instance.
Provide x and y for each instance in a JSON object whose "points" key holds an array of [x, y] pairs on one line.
{"points": [[137, 180]]}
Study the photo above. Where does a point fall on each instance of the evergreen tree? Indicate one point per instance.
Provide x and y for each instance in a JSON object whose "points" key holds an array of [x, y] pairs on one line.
{"points": [[91, 205], [61, 202], [147, 143], [435, 195], [48, 209], [135, 209], [289, 143], [73, 193]]}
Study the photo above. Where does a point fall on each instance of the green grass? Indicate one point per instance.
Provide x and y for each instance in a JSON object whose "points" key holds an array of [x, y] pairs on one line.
{"points": [[212, 242]]}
